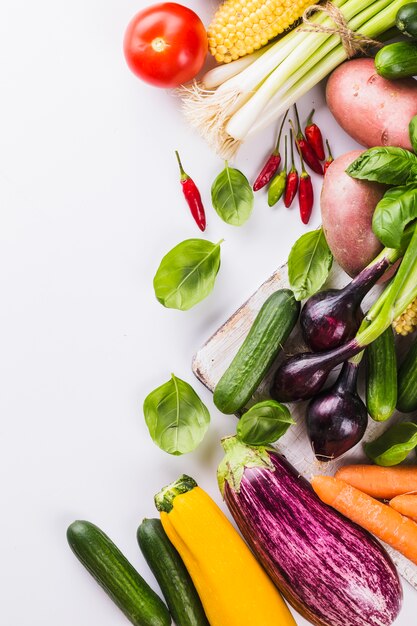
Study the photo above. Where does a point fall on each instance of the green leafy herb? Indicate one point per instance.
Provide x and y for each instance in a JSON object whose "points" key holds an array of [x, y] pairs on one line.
{"points": [[187, 273], [176, 417], [397, 208], [412, 129], [391, 166], [232, 196], [394, 445], [309, 264], [264, 423]]}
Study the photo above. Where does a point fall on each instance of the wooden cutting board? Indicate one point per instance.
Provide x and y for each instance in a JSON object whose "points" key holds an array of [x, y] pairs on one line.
{"points": [[214, 357]]}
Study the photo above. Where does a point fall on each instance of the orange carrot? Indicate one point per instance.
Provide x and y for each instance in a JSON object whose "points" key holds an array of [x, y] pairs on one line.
{"points": [[380, 482], [380, 519], [406, 505]]}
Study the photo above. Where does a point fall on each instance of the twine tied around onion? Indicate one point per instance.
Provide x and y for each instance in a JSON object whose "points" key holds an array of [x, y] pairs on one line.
{"points": [[354, 43]]}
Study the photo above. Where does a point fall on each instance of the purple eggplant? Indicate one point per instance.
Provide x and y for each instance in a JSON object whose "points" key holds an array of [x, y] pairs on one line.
{"points": [[303, 375], [337, 417], [331, 318], [332, 571]]}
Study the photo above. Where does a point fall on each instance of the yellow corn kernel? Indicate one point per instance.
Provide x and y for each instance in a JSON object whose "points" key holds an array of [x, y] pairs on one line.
{"points": [[266, 18], [407, 322]]}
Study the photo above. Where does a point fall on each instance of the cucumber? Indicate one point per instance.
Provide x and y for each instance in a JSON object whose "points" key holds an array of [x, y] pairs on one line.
{"points": [[397, 60], [171, 574], [116, 575], [407, 381], [272, 326], [381, 380], [406, 20]]}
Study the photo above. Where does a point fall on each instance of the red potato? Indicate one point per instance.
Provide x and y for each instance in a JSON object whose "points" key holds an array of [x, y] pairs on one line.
{"points": [[347, 207], [372, 110]]}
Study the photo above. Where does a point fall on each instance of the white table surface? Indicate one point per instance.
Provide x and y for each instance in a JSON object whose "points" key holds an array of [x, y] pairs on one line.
{"points": [[89, 203]]}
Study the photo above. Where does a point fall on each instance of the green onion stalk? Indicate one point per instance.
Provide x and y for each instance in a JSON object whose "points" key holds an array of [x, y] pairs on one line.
{"points": [[303, 375], [257, 91]]}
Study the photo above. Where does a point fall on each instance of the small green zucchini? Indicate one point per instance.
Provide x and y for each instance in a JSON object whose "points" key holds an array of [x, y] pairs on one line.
{"points": [[407, 381], [119, 579], [397, 60], [271, 328], [406, 20], [170, 572], [381, 380]]}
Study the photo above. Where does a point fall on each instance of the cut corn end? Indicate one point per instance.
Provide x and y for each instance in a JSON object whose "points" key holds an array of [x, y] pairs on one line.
{"points": [[406, 323], [241, 26]]}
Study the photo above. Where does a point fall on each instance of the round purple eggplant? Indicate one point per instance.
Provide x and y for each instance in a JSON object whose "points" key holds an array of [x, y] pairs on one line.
{"points": [[331, 318], [330, 570], [337, 417]]}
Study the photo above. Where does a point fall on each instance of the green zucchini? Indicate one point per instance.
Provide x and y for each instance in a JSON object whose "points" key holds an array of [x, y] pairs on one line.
{"points": [[397, 60], [407, 381], [272, 326], [381, 380], [119, 579], [170, 572], [406, 20]]}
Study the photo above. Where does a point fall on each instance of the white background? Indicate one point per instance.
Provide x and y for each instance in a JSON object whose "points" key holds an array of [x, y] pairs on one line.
{"points": [[89, 203]]}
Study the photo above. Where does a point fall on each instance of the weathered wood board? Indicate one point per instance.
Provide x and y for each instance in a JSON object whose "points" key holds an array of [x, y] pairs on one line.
{"points": [[214, 357]]}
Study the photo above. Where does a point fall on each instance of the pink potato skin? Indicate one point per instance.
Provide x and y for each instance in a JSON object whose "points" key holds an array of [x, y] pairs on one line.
{"points": [[347, 207], [372, 110]]}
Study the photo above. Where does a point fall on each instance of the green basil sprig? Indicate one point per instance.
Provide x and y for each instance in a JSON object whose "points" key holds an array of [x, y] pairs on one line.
{"points": [[232, 196], [412, 130], [187, 273], [394, 445], [176, 417], [264, 423], [388, 165], [397, 208], [309, 264]]}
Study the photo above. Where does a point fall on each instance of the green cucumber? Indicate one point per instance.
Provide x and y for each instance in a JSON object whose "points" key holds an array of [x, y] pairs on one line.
{"points": [[407, 381], [397, 60], [381, 380], [119, 579], [170, 572], [272, 326], [406, 20]]}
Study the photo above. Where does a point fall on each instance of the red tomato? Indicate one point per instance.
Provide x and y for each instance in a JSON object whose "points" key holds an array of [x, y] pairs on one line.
{"points": [[165, 44]]}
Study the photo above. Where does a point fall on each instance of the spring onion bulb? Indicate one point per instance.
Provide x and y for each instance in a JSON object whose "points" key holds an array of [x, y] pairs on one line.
{"points": [[253, 95]]}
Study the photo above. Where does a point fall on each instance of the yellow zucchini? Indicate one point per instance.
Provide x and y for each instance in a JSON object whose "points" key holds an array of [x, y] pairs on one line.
{"points": [[233, 588]]}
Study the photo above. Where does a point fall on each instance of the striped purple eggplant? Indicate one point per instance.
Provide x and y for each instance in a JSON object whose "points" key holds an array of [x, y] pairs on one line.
{"points": [[331, 570]]}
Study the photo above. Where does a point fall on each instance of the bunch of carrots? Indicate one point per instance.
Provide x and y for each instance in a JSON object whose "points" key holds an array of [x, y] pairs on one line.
{"points": [[311, 151], [356, 491]]}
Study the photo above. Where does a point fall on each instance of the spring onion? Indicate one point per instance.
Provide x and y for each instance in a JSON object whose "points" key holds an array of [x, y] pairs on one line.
{"points": [[260, 92]]}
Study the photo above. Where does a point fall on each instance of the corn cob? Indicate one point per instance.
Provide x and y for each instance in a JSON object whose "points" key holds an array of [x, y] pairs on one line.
{"points": [[241, 26], [407, 322]]}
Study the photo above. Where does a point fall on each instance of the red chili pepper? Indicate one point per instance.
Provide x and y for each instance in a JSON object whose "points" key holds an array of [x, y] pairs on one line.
{"points": [[192, 196], [329, 159], [271, 165], [305, 191], [306, 150], [292, 179], [314, 137]]}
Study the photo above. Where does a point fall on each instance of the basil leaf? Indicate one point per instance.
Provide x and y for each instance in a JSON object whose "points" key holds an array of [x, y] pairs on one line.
{"points": [[264, 423], [187, 273], [309, 264], [394, 445], [412, 130], [176, 417], [391, 166], [232, 196], [397, 208]]}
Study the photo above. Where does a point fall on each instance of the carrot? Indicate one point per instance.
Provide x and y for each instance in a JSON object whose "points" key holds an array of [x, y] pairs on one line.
{"points": [[380, 482], [380, 519], [406, 505]]}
